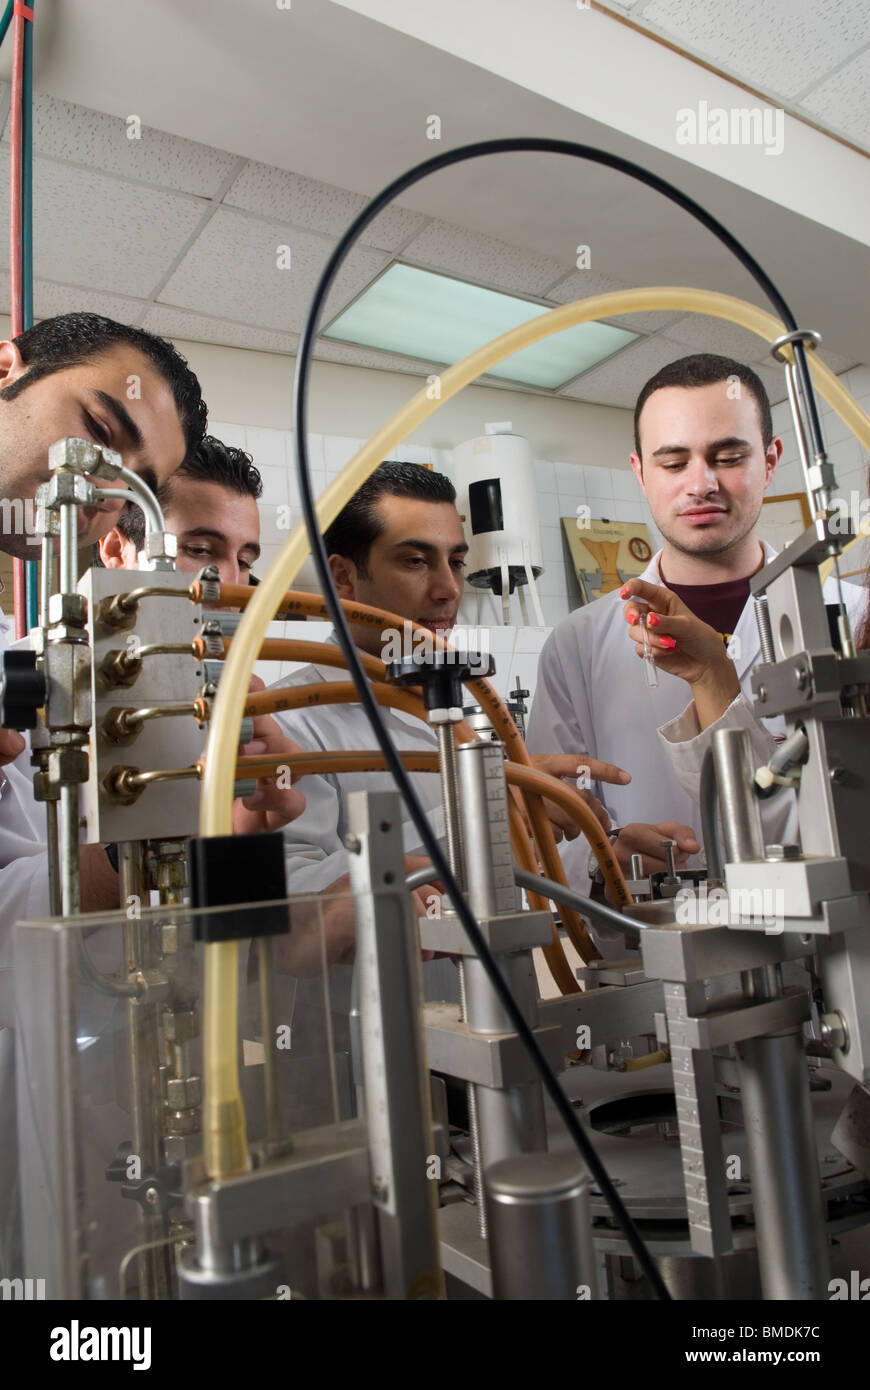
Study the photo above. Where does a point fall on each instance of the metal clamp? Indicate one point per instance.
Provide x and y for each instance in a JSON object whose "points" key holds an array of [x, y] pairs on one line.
{"points": [[808, 336]]}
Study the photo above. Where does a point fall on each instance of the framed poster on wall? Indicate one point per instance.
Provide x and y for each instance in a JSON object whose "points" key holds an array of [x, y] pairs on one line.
{"points": [[606, 553], [783, 519]]}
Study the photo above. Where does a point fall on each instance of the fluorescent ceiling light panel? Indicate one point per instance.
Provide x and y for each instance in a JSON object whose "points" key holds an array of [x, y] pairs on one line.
{"points": [[434, 318]]}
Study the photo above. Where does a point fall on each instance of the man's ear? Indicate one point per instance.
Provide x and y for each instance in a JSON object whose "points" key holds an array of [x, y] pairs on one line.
{"points": [[772, 456], [114, 550], [11, 363], [637, 468], [343, 576]]}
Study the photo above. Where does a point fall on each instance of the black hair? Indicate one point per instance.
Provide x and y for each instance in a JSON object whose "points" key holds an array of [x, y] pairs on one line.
{"points": [[70, 339], [705, 369], [359, 524], [211, 462]]}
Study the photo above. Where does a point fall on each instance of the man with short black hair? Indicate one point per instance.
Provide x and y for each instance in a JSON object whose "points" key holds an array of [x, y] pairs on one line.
{"points": [[705, 454], [210, 504], [397, 545], [87, 376]]}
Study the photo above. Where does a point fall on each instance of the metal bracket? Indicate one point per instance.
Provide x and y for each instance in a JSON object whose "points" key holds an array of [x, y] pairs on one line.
{"points": [[488, 1059]]}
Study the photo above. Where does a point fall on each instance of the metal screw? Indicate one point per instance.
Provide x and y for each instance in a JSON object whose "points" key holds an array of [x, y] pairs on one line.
{"points": [[800, 676], [669, 846], [838, 775], [762, 693], [353, 844], [776, 853], [152, 1196]]}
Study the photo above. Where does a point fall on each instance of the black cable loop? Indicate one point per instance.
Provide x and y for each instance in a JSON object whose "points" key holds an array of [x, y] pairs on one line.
{"points": [[354, 666]]}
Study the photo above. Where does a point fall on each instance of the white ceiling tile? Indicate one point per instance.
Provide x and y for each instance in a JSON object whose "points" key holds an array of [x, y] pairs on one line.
{"points": [[99, 232], [328, 351], [618, 380], [200, 328], [318, 207], [443, 246], [837, 361], [780, 46], [231, 272], [97, 141], [843, 99], [582, 284], [708, 334], [705, 333], [774, 382], [50, 299], [652, 322]]}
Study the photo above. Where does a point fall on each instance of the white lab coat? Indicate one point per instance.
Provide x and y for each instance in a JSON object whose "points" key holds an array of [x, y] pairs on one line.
{"points": [[314, 843], [23, 860], [23, 894], [592, 698]]}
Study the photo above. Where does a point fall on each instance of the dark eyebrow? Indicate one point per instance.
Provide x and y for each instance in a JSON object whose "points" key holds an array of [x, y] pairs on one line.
{"points": [[429, 548], [208, 532], [149, 478], [123, 418], [729, 442]]}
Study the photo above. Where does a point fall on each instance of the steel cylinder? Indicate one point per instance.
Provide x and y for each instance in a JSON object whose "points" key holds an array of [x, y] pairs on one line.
{"points": [[738, 808], [540, 1229]]}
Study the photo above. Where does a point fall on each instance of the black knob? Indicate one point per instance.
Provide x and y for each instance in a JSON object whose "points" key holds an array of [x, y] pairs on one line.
{"points": [[441, 674], [22, 690]]}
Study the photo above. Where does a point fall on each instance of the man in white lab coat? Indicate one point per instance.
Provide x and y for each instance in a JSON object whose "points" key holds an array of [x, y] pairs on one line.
{"points": [[210, 505], [705, 454], [397, 545], [82, 375], [87, 376]]}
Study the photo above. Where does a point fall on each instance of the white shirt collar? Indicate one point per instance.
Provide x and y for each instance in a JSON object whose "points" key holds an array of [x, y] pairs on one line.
{"points": [[653, 573]]}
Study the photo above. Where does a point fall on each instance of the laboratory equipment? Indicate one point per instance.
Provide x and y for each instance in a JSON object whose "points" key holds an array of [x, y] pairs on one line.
{"points": [[372, 1198]]}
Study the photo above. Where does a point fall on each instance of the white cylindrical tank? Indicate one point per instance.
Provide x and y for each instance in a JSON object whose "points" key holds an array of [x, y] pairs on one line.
{"points": [[495, 485]]}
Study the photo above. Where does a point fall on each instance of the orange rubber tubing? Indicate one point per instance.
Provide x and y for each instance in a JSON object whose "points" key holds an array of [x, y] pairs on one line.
{"points": [[312, 605]]}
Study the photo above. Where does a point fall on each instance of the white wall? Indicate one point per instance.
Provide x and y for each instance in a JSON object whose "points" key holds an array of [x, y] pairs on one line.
{"points": [[563, 484], [562, 487], [244, 387], [584, 61], [582, 449]]}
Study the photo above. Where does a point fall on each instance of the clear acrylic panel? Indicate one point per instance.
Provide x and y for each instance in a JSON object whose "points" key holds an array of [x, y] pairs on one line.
{"points": [[108, 1091]]}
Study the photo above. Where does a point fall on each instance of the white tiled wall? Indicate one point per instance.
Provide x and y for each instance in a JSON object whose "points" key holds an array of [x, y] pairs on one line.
{"points": [[272, 452], [514, 649], [611, 493], [845, 452], [562, 487]]}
